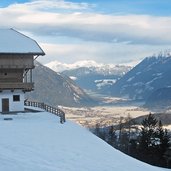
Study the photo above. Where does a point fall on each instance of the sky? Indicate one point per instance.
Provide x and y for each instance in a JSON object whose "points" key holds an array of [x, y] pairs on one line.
{"points": [[110, 31]]}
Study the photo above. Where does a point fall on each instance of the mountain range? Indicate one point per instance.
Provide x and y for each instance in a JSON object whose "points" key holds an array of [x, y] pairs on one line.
{"points": [[149, 80], [56, 89], [90, 75], [99, 67]]}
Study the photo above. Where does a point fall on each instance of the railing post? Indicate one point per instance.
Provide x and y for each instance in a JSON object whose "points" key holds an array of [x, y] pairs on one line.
{"points": [[61, 120], [42, 106], [63, 116]]}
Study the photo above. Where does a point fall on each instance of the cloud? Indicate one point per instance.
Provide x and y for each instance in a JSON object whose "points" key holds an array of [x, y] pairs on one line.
{"points": [[102, 52], [39, 18], [86, 33], [51, 4]]}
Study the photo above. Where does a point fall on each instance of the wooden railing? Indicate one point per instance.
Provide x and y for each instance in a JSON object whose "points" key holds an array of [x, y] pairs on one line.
{"points": [[48, 108]]}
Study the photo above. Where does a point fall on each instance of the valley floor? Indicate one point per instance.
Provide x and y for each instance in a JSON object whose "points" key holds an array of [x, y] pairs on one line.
{"points": [[105, 115]]}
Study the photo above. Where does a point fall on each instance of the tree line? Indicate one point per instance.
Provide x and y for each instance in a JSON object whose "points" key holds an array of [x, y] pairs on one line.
{"points": [[149, 142]]}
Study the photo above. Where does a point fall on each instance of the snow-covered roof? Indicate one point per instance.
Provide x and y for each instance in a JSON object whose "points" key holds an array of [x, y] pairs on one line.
{"points": [[14, 42]]}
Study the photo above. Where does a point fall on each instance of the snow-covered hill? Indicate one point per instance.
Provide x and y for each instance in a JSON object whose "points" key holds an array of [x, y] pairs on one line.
{"points": [[38, 142]]}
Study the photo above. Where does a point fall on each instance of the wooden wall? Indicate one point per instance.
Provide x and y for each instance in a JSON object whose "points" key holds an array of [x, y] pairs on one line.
{"points": [[16, 61], [11, 75]]}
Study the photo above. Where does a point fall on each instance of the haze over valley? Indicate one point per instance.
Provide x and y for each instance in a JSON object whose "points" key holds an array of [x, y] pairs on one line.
{"points": [[110, 91]]}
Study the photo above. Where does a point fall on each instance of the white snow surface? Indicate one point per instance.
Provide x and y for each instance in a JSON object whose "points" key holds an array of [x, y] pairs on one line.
{"points": [[38, 142], [130, 79], [12, 41], [73, 78], [105, 82], [59, 67]]}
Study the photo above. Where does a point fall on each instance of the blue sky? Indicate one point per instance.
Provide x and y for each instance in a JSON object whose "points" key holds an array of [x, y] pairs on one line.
{"points": [[150, 7], [111, 31]]}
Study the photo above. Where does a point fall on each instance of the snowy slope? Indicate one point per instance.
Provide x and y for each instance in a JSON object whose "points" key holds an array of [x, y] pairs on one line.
{"points": [[149, 75], [38, 142]]}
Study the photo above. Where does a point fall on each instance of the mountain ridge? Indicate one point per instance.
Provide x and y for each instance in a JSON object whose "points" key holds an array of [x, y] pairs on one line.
{"points": [[98, 67], [93, 76], [149, 75], [57, 89]]}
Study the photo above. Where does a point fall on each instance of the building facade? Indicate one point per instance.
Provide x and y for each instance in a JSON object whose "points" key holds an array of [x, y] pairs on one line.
{"points": [[17, 55]]}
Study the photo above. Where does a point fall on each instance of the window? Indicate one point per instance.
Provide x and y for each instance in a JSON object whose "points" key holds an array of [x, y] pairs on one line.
{"points": [[16, 98]]}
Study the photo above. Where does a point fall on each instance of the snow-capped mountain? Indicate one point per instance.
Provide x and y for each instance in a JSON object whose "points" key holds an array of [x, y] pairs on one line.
{"points": [[38, 142], [57, 89], [149, 75], [91, 75], [59, 67], [100, 68]]}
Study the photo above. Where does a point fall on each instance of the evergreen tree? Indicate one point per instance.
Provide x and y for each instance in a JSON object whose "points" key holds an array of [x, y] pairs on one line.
{"points": [[147, 139], [124, 142], [149, 144], [112, 137], [133, 148], [147, 135], [153, 141], [99, 132], [163, 145]]}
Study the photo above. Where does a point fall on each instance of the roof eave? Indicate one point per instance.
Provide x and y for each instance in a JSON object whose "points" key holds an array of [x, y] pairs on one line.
{"points": [[22, 53]]}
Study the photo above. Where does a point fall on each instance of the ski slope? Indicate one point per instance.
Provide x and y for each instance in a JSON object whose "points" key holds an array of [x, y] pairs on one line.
{"points": [[38, 142]]}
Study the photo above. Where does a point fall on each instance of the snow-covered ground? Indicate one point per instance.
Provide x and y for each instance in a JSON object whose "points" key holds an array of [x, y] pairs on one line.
{"points": [[38, 142]]}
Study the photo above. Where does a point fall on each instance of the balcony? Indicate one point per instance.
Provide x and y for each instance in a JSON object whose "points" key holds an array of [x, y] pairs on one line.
{"points": [[19, 86]]}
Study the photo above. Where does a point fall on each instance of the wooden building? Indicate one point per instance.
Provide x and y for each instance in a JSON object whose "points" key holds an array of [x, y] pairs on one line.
{"points": [[17, 55]]}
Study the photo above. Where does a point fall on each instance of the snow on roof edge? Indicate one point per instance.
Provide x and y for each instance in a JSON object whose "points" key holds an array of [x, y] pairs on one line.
{"points": [[43, 53]]}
